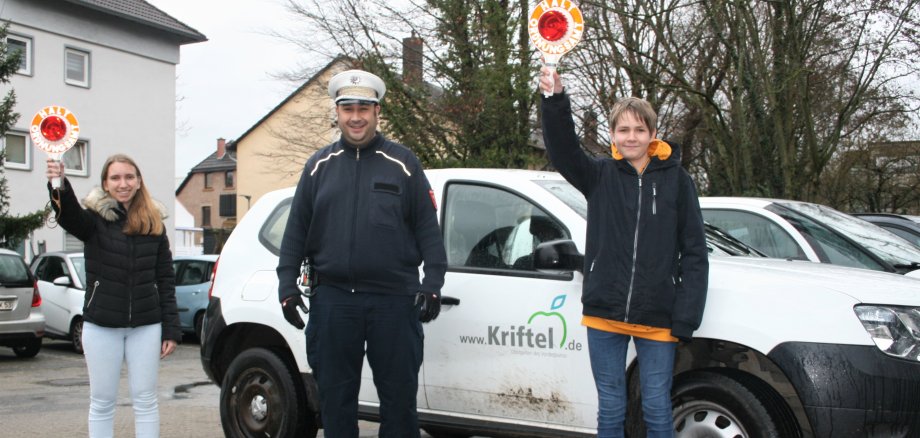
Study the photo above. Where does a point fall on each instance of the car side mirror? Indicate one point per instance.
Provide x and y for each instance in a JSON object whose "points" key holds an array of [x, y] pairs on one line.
{"points": [[62, 281], [558, 255]]}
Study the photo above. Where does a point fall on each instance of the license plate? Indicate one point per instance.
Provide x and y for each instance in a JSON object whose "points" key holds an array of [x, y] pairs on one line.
{"points": [[6, 305]]}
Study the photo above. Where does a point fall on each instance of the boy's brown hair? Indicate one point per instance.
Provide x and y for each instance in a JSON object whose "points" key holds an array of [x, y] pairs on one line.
{"points": [[638, 107]]}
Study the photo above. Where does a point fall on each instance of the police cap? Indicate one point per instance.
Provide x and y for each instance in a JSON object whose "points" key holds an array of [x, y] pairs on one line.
{"points": [[356, 86]]}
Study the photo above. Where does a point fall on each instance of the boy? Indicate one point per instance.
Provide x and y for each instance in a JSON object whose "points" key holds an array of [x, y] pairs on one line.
{"points": [[646, 263]]}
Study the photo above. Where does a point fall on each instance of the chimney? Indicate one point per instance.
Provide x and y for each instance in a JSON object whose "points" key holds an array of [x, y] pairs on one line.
{"points": [[221, 147], [412, 60]]}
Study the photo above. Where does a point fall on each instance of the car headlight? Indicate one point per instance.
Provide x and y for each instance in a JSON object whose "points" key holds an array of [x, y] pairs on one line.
{"points": [[895, 330]]}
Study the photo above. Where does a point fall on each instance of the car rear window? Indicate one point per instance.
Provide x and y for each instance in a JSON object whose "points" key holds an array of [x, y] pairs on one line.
{"points": [[273, 230], [13, 271]]}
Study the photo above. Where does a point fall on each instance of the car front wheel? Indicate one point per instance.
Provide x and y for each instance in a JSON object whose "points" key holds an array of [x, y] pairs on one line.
{"points": [[717, 404], [259, 397]]}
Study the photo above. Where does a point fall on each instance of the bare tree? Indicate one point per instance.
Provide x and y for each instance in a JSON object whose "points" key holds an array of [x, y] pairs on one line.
{"points": [[761, 95], [472, 103]]}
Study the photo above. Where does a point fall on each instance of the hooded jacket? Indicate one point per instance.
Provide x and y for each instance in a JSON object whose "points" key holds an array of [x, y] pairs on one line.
{"points": [[130, 280], [646, 260], [366, 220]]}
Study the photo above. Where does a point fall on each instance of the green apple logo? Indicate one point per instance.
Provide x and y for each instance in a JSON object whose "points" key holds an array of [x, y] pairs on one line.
{"points": [[558, 302]]}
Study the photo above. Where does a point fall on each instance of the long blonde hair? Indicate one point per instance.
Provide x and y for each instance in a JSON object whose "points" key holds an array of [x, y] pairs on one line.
{"points": [[143, 215]]}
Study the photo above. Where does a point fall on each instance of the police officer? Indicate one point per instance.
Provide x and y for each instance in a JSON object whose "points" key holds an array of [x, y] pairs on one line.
{"points": [[364, 217]]}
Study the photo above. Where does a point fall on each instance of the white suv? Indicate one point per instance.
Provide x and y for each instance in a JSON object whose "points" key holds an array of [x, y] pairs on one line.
{"points": [[786, 348]]}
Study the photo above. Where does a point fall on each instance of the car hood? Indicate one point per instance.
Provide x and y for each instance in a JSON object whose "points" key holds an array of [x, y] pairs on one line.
{"points": [[863, 285]]}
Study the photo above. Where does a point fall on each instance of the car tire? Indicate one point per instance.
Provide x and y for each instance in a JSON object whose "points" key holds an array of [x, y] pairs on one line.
{"points": [[729, 403], [76, 335], [199, 325], [260, 397], [29, 348]]}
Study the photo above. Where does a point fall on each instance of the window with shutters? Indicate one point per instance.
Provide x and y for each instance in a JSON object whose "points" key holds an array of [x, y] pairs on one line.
{"points": [[228, 205]]}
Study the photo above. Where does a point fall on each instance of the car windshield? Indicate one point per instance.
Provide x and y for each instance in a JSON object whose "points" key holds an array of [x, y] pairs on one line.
{"points": [[722, 243], [829, 245], [567, 194], [884, 244], [79, 265]]}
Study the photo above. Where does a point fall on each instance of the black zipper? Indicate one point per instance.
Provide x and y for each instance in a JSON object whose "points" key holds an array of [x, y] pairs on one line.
{"points": [[130, 279], [354, 219]]}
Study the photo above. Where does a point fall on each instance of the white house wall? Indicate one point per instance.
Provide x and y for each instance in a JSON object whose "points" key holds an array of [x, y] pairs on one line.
{"points": [[128, 108]]}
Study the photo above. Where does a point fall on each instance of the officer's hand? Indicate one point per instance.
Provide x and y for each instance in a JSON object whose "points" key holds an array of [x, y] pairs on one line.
{"points": [[429, 306], [289, 309]]}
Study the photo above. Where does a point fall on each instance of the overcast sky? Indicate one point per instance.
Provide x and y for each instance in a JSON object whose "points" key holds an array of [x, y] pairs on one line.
{"points": [[225, 84]]}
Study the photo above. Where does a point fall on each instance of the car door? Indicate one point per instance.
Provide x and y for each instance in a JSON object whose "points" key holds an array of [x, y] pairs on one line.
{"points": [[55, 298], [508, 343]]}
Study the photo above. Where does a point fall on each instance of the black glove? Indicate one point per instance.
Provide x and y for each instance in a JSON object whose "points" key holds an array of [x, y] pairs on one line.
{"points": [[429, 306], [289, 309]]}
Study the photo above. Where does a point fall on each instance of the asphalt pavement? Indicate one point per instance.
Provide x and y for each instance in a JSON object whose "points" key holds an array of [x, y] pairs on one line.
{"points": [[48, 396]]}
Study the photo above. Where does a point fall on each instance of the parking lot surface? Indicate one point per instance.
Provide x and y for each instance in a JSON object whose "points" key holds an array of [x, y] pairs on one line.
{"points": [[48, 396]]}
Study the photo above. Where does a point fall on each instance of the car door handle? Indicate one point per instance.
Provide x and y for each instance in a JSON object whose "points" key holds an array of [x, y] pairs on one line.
{"points": [[450, 301]]}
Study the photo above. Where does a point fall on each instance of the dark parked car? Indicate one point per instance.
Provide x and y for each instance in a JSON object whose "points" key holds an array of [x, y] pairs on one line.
{"points": [[22, 323], [903, 226]]}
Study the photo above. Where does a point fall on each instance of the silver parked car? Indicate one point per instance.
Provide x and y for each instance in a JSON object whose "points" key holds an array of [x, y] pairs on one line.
{"points": [[806, 231], [22, 323]]}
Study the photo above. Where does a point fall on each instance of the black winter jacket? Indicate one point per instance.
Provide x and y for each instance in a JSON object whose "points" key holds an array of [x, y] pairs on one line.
{"points": [[646, 260], [366, 220], [129, 279]]}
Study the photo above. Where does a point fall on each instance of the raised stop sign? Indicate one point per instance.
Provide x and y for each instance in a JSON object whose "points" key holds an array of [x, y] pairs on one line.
{"points": [[553, 25]]}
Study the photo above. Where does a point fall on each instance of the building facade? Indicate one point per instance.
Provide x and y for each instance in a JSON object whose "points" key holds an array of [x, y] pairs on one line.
{"points": [[113, 64], [209, 193]]}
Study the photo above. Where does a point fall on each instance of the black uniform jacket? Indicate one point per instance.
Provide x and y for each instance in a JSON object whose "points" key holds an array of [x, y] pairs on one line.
{"points": [[130, 279], [366, 220], [646, 260]]}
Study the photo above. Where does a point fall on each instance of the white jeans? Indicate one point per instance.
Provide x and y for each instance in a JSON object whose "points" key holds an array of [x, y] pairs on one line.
{"points": [[105, 349]]}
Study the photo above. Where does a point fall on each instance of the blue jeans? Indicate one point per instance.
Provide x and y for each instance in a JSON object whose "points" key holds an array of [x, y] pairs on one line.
{"points": [[656, 366], [106, 349]]}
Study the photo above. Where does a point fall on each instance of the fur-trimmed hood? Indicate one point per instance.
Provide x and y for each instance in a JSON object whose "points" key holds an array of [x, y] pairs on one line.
{"points": [[106, 206]]}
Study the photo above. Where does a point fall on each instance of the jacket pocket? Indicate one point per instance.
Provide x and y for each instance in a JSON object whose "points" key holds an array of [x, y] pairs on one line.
{"points": [[386, 204]]}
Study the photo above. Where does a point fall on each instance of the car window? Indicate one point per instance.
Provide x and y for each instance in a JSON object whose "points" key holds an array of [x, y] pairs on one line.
{"points": [[50, 268], [273, 229], [486, 227], [195, 272], [79, 265], [13, 270], [757, 231]]}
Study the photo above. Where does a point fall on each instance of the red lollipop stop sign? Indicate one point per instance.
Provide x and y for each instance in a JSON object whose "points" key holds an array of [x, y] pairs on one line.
{"points": [[555, 27], [54, 130]]}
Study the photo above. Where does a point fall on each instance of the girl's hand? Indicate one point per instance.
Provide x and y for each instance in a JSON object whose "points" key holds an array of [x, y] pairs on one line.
{"points": [[167, 348]]}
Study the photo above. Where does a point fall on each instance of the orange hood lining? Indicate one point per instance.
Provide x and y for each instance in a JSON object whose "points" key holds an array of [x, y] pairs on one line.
{"points": [[657, 148]]}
